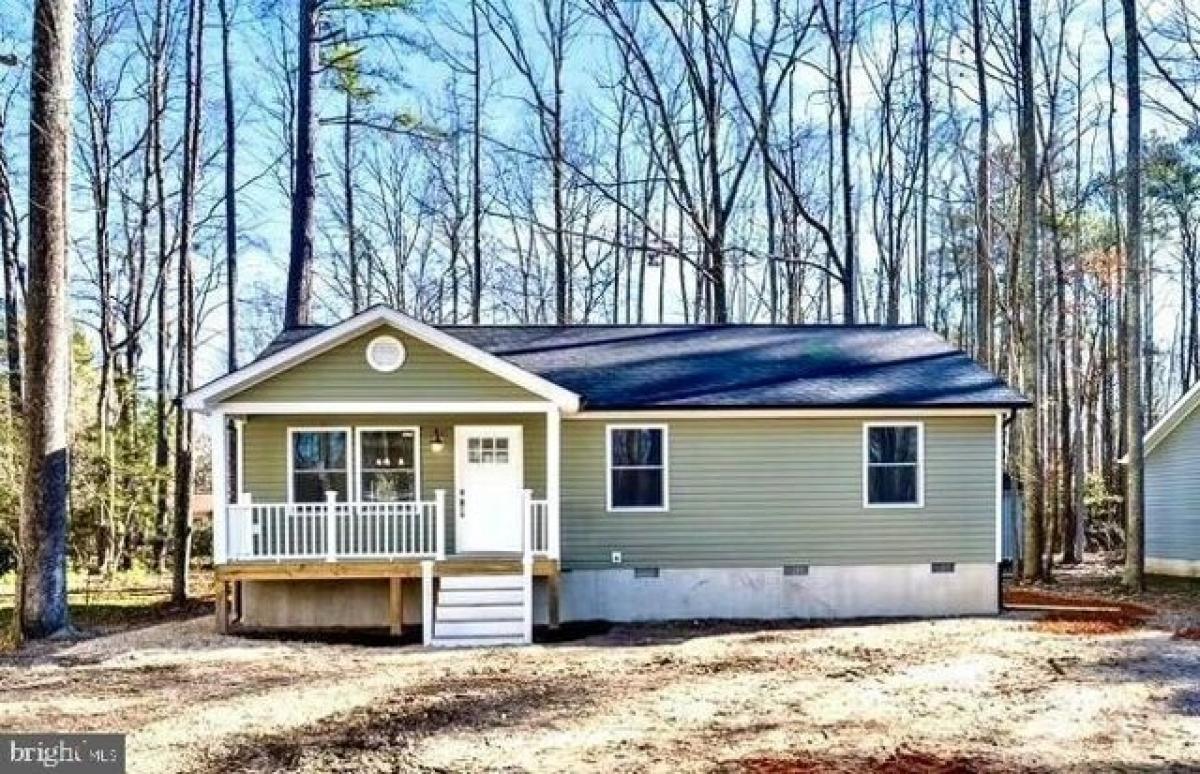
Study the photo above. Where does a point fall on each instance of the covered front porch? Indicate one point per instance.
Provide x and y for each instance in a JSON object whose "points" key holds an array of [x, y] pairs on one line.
{"points": [[411, 494]]}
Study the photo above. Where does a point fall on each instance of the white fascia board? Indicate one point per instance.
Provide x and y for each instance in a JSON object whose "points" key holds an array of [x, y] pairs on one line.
{"points": [[204, 398], [235, 407], [1172, 419], [814, 413]]}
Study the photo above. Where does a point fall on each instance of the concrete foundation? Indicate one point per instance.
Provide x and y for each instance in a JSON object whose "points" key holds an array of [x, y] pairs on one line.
{"points": [[826, 592], [1184, 568]]}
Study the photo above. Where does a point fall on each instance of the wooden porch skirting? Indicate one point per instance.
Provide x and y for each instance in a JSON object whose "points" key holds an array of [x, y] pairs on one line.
{"points": [[230, 577]]}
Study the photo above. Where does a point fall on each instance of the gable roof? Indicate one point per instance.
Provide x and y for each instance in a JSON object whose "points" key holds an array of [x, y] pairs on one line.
{"points": [[748, 366], [301, 344], [1174, 417], [623, 367]]}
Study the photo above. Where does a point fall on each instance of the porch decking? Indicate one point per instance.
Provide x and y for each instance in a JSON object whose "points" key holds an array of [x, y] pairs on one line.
{"points": [[379, 541]]}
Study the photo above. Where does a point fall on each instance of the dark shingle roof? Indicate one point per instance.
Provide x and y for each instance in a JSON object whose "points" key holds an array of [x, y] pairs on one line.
{"points": [[744, 366]]}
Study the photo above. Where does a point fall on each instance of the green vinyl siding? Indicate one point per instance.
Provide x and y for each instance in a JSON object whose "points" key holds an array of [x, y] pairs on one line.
{"points": [[265, 450], [1173, 494], [764, 492], [342, 374]]}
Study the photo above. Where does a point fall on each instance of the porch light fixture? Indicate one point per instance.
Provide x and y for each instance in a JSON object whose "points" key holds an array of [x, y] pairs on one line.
{"points": [[437, 445]]}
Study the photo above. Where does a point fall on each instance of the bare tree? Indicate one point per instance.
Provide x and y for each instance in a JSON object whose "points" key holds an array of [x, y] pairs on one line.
{"points": [[42, 597], [1135, 540], [1030, 349]]}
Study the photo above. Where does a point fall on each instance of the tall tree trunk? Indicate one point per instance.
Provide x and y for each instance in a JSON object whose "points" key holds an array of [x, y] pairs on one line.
{"points": [[42, 583], [162, 444], [1135, 541], [348, 200], [922, 268], [477, 168], [1030, 313], [10, 252], [185, 317], [297, 309], [983, 204], [230, 192]]}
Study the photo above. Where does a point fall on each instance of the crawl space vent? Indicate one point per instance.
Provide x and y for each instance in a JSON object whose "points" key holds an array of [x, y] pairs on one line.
{"points": [[795, 569], [645, 572], [940, 567]]}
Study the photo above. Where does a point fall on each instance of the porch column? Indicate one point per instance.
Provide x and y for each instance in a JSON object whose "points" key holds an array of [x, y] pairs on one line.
{"points": [[220, 491], [553, 467], [239, 456]]}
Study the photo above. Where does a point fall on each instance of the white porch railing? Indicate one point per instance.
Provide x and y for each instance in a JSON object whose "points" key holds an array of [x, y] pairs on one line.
{"points": [[536, 525], [337, 530]]}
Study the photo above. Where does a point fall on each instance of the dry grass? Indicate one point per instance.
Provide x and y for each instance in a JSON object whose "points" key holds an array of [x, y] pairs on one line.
{"points": [[968, 695]]}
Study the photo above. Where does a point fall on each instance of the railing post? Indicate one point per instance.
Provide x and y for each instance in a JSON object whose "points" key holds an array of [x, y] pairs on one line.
{"points": [[439, 499], [330, 526], [527, 523]]}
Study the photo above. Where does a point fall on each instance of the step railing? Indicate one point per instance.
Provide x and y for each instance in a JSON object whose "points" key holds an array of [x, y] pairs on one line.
{"points": [[334, 530], [536, 526]]}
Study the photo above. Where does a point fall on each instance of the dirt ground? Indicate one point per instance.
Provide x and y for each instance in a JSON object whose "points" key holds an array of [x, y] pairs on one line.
{"points": [[963, 695]]}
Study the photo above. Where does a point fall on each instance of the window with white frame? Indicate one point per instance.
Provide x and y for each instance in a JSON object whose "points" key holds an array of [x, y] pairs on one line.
{"points": [[637, 468], [893, 462], [387, 464], [320, 463]]}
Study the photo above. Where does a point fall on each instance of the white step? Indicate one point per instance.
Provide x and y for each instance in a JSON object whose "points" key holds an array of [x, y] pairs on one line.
{"points": [[481, 581], [475, 642], [480, 597], [476, 612], [480, 628]]}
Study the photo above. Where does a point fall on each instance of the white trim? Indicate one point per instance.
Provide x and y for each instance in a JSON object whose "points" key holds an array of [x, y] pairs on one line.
{"points": [[460, 448], [866, 446], [204, 398], [661, 414], [666, 468], [218, 437], [1172, 419], [387, 407], [390, 340], [239, 429], [358, 468], [999, 488], [553, 480], [319, 429]]}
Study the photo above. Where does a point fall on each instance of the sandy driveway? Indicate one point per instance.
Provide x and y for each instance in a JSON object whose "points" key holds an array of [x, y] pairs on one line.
{"points": [[977, 693]]}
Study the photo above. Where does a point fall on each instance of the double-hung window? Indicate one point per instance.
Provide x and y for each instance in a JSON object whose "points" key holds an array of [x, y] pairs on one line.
{"points": [[320, 463], [637, 468], [387, 464], [893, 465]]}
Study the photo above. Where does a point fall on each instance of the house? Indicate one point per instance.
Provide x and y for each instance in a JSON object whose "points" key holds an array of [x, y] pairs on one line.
{"points": [[1172, 486], [479, 480]]}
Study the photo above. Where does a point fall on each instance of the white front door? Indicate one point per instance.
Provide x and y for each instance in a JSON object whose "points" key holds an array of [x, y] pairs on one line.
{"points": [[488, 473]]}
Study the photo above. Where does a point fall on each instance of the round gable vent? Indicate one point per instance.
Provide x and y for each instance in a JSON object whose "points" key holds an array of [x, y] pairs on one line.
{"points": [[385, 353]]}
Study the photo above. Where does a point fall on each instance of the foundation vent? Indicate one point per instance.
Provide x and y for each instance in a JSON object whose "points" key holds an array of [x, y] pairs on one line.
{"points": [[795, 569], [940, 567], [645, 572]]}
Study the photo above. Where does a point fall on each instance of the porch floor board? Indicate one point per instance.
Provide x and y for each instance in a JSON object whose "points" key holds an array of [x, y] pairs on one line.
{"points": [[359, 569]]}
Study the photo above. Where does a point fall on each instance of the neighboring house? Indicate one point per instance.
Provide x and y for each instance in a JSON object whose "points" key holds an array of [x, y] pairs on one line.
{"points": [[1172, 488], [480, 479]]}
